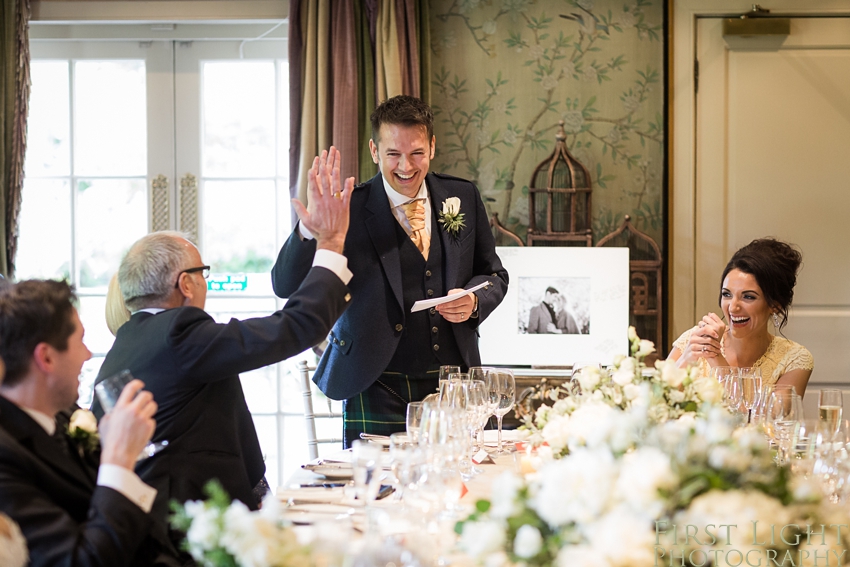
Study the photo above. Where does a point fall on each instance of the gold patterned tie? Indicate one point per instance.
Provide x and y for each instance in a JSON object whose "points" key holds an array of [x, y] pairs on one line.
{"points": [[415, 212]]}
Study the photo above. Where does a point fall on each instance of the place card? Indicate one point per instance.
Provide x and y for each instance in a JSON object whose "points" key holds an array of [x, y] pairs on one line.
{"points": [[482, 456]]}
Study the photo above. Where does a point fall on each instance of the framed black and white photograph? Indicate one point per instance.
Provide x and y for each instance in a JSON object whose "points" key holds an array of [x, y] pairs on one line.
{"points": [[554, 306], [564, 304]]}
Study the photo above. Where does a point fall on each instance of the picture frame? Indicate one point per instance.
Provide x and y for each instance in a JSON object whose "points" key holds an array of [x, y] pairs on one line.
{"points": [[563, 305]]}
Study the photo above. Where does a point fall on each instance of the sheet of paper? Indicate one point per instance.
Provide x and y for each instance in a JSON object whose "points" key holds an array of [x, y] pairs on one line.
{"points": [[428, 303]]}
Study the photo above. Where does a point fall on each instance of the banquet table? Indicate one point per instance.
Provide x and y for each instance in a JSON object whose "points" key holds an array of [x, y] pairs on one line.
{"points": [[306, 502]]}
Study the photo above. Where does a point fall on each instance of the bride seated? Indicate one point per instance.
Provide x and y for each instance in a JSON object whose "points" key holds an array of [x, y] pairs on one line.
{"points": [[757, 286]]}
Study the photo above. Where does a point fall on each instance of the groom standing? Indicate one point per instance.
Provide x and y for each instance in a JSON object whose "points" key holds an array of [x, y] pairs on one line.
{"points": [[413, 235]]}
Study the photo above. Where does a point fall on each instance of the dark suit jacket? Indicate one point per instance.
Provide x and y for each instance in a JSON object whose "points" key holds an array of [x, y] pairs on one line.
{"points": [[365, 338], [191, 364], [539, 319], [66, 519]]}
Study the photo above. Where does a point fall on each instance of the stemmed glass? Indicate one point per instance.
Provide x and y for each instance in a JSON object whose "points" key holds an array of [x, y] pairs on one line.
{"points": [[750, 385], [830, 407], [108, 391], [783, 411], [502, 389], [413, 419], [732, 394]]}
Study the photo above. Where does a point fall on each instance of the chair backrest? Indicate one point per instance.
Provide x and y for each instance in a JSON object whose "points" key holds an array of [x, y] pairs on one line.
{"points": [[310, 416]]}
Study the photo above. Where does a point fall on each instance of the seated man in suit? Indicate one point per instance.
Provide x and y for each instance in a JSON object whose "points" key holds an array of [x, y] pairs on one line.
{"points": [[414, 235], [191, 364], [71, 511]]}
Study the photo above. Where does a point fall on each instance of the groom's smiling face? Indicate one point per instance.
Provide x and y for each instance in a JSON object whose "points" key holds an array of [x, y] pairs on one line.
{"points": [[403, 154]]}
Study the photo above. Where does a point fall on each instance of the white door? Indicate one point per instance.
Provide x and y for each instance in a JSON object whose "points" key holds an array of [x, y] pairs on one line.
{"points": [[772, 137], [127, 137]]}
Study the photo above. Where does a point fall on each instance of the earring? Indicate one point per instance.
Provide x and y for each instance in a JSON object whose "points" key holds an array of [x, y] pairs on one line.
{"points": [[776, 320]]}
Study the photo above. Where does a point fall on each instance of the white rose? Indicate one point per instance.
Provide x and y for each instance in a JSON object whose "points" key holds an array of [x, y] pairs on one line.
{"points": [[503, 502], [575, 489], [451, 206], [645, 348], [204, 532], [708, 389], [642, 474], [481, 538], [676, 396], [528, 542], [588, 378], [83, 419], [671, 375], [631, 391], [577, 556], [634, 537]]}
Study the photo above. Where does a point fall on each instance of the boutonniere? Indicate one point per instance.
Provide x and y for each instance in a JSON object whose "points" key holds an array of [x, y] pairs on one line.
{"points": [[451, 218], [82, 429]]}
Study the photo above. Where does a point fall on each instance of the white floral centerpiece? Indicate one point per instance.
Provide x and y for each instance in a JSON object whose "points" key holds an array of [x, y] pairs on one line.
{"points": [[696, 488], [221, 533], [616, 401]]}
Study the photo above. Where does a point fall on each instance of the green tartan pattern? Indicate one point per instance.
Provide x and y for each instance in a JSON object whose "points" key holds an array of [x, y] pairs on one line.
{"points": [[381, 412]]}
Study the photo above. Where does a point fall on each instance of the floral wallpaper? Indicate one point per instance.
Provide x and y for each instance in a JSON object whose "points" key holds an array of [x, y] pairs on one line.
{"points": [[504, 72]]}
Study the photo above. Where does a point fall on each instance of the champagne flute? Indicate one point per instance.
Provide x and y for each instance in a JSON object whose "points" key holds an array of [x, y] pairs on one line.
{"points": [[108, 391], [502, 387], [413, 419], [750, 385], [830, 408]]}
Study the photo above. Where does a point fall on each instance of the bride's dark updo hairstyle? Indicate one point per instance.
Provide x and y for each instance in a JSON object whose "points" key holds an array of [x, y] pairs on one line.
{"points": [[774, 264]]}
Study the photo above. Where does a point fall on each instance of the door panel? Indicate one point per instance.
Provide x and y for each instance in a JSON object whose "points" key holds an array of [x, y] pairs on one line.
{"points": [[772, 126]]}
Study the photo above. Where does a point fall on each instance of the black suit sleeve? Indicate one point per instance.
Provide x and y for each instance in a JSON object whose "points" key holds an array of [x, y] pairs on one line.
{"points": [[207, 351], [110, 534], [293, 264]]}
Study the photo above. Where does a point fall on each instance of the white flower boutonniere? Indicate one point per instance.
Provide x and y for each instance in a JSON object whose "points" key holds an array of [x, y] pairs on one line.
{"points": [[82, 429], [451, 218]]}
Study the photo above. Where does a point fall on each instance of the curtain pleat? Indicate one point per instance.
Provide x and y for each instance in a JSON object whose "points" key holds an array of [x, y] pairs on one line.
{"points": [[367, 17], [345, 87], [346, 56], [296, 82], [387, 57], [14, 99], [423, 29]]}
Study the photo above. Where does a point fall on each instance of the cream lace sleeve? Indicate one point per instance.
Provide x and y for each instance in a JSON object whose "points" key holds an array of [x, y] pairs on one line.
{"points": [[798, 357], [682, 341]]}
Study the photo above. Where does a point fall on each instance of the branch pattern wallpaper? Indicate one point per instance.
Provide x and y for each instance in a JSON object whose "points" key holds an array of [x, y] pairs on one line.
{"points": [[506, 71]]}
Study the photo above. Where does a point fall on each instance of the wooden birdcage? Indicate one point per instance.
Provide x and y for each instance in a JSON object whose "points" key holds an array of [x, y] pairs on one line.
{"points": [[559, 199]]}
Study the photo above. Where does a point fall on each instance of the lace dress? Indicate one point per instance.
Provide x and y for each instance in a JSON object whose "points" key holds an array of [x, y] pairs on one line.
{"points": [[782, 355]]}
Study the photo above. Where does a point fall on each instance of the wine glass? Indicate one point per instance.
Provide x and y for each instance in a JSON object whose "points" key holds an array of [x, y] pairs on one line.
{"points": [[732, 394], [830, 408], [446, 371], [366, 465], [502, 388], [413, 419], [784, 411], [750, 385], [108, 391]]}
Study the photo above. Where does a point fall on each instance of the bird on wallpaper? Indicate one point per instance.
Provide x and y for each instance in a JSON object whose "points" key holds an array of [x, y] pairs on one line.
{"points": [[589, 22]]}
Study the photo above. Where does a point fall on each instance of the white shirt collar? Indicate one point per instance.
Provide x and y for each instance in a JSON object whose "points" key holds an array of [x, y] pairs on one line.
{"points": [[397, 198], [45, 421], [151, 310]]}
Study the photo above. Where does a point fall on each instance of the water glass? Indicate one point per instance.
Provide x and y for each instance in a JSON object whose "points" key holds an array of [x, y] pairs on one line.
{"points": [[367, 470], [108, 391], [830, 408], [413, 420]]}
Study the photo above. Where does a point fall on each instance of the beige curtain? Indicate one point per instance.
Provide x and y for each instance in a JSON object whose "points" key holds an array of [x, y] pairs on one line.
{"points": [[14, 97], [345, 57]]}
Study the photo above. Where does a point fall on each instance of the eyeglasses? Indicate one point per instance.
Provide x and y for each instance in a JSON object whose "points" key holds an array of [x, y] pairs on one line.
{"points": [[204, 269]]}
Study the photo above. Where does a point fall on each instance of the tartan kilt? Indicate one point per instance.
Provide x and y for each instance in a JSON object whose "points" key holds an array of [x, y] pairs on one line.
{"points": [[382, 408]]}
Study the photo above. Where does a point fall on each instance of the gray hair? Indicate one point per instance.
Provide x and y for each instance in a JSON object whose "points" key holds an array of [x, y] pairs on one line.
{"points": [[151, 267]]}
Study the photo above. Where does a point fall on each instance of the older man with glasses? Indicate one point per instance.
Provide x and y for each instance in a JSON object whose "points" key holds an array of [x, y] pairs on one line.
{"points": [[191, 364]]}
